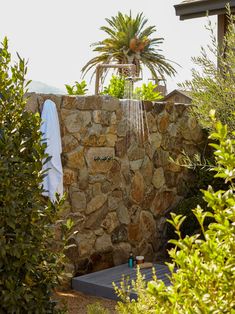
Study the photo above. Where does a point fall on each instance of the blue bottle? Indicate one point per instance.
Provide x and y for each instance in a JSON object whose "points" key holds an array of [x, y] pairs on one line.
{"points": [[131, 260]]}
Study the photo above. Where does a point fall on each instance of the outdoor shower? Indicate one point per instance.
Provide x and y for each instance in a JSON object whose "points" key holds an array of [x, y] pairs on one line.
{"points": [[133, 109]]}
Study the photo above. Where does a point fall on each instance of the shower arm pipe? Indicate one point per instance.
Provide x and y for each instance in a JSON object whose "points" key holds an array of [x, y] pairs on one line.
{"points": [[107, 66]]}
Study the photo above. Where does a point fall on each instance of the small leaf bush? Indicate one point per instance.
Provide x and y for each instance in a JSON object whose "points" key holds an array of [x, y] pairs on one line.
{"points": [[147, 92], [29, 267], [116, 87], [77, 88], [213, 88], [203, 265]]}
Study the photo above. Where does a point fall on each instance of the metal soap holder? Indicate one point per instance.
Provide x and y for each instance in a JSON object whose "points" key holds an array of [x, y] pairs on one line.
{"points": [[103, 158]]}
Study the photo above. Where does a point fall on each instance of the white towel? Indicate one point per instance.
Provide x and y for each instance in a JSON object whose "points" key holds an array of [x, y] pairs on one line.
{"points": [[50, 128]]}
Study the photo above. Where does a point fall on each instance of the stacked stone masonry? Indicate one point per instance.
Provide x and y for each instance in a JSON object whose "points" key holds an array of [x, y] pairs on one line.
{"points": [[120, 204]]}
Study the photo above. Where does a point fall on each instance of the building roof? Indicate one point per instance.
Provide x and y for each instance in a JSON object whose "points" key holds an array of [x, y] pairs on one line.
{"points": [[179, 91], [189, 9]]}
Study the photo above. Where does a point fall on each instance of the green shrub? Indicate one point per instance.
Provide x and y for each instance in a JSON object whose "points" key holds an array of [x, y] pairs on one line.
{"points": [[147, 92], [116, 87], [204, 280], [77, 88], [29, 268], [203, 176], [213, 88]]}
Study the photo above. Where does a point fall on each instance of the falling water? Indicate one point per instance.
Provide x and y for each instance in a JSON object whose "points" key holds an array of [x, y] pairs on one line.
{"points": [[135, 115]]}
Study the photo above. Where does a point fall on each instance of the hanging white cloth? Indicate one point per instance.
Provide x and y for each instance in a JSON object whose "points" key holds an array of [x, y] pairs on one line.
{"points": [[50, 128]]}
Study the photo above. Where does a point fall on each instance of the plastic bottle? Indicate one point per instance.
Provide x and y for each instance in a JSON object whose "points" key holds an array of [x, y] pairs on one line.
{"points": [[131, 260]]}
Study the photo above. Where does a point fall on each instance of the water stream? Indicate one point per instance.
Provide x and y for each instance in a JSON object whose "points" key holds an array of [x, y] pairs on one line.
{"points": [[135, 115]]}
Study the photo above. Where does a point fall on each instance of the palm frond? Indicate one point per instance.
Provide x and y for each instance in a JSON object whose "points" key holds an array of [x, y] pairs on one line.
{"points": [[129, 41]]}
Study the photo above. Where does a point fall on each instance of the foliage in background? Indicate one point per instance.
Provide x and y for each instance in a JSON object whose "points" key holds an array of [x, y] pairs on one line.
{"points": [[116, 87], [77, 88], [213, 88], [205, 279], [29, 267], [129, 41], [210, 89], [147, 92], [202, 176]]}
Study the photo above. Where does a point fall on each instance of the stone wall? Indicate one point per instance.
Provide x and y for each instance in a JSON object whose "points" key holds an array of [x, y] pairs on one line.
{"points": [[120, 204]]}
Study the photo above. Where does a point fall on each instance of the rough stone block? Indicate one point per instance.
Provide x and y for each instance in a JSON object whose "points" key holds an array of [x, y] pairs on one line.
{"points": [[152, 125], [99, 166], [163, 122], [156, 139], [96, 189], [135, 232], [103, 243], [148, 224], [135, 152], [75, 159], [69, 102], [161, 158], [121, 253], [162, 202], [172, 130], [89, 102], [96, 203], [78, 200], [64, 113], [111, 140], [119, 234], [158, 108], [83, 178], [136, 164], [123, 215], [113, 202], [147, 170], [158, 178], [74, 122], [69, 176], [112, 129], [69, 143], [110, 222], [169, 107], [121, 148], [122, 128], [94, 140], [110, 103], [137, 188], [85, 241], [32, 103], [95, 219], [113, 118]]}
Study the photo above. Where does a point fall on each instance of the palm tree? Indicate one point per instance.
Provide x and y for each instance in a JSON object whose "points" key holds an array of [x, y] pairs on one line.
{"points": [[128, 42]]}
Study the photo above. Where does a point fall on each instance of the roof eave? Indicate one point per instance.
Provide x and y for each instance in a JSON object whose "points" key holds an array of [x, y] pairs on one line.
{"points": [[202, 8]]}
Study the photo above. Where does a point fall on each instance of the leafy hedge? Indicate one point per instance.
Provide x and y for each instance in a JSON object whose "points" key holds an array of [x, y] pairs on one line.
{"points": [[29, 268]]}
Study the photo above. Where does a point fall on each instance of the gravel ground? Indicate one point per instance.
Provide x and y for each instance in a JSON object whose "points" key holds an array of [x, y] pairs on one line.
{"points": [[77, 302]]}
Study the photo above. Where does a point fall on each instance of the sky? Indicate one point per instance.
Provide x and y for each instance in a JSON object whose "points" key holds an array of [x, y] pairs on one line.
{"points": [[55, 35]]}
